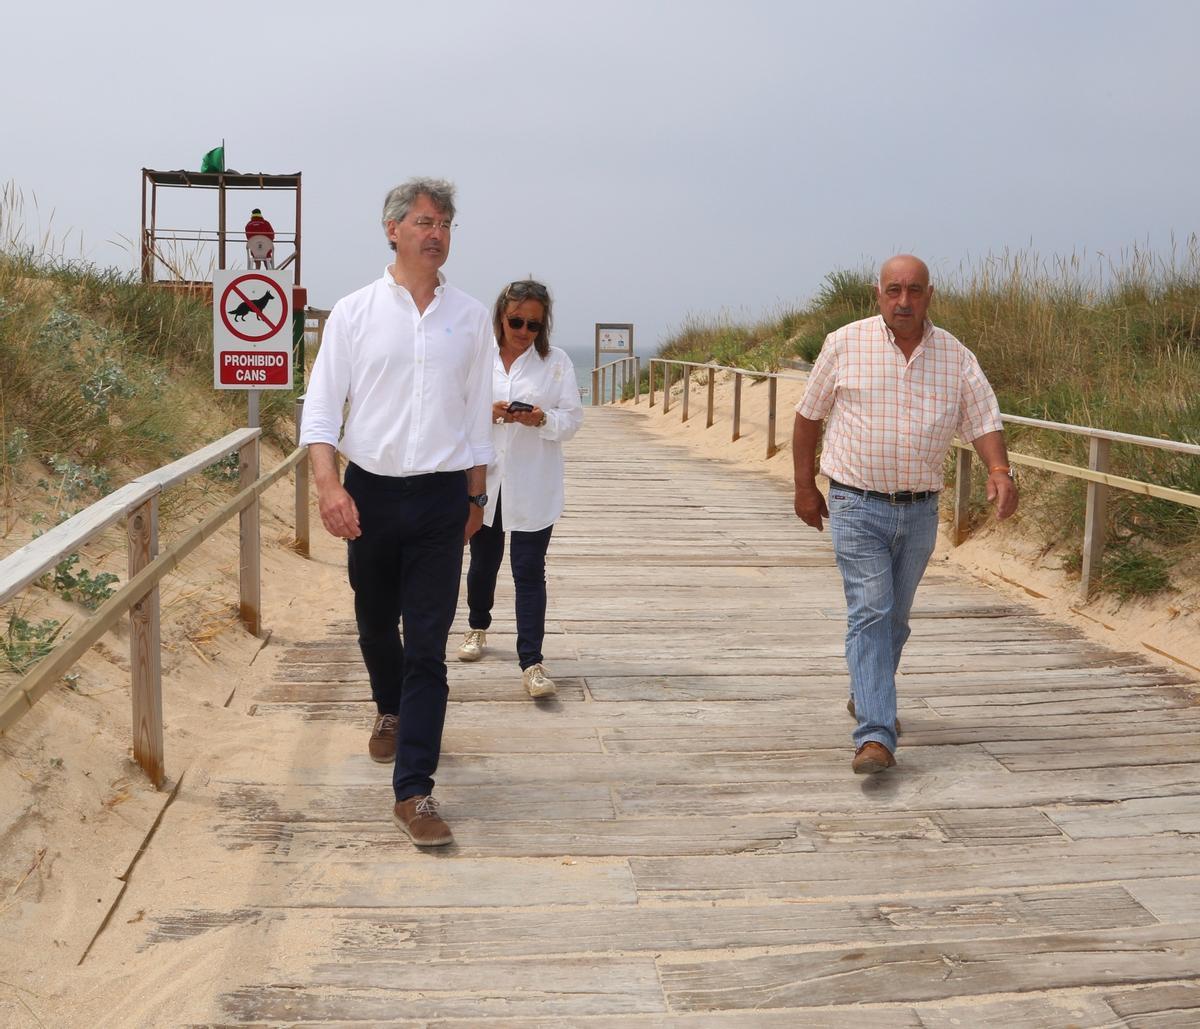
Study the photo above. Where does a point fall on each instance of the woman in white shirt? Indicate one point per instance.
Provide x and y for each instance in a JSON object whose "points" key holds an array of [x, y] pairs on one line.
{"points": [[535, 409]]}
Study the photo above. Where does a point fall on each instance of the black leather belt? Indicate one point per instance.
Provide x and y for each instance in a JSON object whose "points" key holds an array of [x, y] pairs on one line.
{"points": [[891, 498]]}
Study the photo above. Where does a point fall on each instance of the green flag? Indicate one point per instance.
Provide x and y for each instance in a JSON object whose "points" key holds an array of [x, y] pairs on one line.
{"points": [[214, 160]]}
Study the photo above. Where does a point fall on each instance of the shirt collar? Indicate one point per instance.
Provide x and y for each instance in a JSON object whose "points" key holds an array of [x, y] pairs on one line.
{"points": [[437, 290], [891, 336]]}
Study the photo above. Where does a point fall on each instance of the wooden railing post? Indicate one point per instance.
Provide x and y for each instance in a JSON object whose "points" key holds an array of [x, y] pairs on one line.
{"points": [[1095, 522], [595, 387], [687, 389], [650, 382], [303, 539], [737, 404], [250, 544], [772, 397], [666, 386], [637, 379], [962, 493], [145, 650], [712, 383]]}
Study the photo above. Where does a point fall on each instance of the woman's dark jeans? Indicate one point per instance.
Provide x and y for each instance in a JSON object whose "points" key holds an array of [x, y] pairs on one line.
{"points": [[527, 555]]}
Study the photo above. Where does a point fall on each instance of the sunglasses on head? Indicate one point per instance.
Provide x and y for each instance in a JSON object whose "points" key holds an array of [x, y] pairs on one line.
{"points": [[520, 323]]}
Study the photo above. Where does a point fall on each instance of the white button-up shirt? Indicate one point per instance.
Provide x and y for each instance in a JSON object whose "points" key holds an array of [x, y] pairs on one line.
{"points": [[416, 383], [891, 421], [529, 461]]}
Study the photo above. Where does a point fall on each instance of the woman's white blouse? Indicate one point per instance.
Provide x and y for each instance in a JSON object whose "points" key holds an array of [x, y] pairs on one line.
{"points": [[528, 469]]}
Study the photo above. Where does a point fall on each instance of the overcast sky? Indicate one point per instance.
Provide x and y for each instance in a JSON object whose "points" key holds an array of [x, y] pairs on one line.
{"points": [[649, 161]]}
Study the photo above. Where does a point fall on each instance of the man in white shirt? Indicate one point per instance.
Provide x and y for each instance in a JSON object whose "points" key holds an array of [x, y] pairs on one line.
{"points": [[411, 356]]}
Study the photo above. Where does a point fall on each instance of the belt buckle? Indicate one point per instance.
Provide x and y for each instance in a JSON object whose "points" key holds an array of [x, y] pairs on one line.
{"points": [[892, 498]]}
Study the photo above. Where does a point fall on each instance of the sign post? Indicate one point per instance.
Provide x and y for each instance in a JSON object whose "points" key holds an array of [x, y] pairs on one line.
{"points": [[612, 338], [252, 333]]}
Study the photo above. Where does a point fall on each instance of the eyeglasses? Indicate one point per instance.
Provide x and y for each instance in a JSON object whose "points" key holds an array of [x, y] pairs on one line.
{"points": [[520, 323], [425, 223]]}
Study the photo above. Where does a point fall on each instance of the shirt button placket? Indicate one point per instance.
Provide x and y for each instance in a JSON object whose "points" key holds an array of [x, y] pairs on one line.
{"points": [[418, 391]]}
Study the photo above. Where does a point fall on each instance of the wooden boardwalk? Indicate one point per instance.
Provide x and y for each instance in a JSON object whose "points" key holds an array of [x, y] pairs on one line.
{"points": [[678, 838]]}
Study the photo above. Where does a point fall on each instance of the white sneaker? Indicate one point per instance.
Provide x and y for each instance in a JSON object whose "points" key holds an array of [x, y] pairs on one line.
{"points": [[472, 645], [537, 682]]}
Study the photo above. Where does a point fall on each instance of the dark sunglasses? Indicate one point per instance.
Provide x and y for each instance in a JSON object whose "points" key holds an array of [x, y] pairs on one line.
{"points": [[520, 323]]}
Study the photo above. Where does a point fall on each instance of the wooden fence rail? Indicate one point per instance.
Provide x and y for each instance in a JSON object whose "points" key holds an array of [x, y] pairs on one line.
{"points": [[738, 375], [1097, 476], [629, 369], [137, 503]]}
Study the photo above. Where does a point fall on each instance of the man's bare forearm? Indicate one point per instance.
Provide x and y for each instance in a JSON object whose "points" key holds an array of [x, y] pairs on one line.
{"points": [[991, 449], [323, 459], [806, 434], [476, 480]]}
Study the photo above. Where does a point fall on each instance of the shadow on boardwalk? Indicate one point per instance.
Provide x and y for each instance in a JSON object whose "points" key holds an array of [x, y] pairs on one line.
{"points": [[678, 838]]}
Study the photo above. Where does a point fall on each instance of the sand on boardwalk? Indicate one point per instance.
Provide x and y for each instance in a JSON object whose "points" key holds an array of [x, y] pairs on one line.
{"points": [[75, 809]]}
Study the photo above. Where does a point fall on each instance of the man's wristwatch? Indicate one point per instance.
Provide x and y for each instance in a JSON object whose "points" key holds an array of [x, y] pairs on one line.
{"points": [[479, 500]]}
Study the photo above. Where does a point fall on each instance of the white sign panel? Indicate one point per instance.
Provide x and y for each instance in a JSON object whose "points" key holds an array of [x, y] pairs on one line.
{"points": [[252, 330], [614, 339]]}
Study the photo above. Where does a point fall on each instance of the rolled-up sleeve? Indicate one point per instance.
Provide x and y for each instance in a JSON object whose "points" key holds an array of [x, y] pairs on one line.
{"points": [[819, 392], [329, 383], [566, 416], [479, 399], [980, 409]]}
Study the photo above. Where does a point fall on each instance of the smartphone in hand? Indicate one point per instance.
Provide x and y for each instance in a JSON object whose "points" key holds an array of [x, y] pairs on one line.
{"points": [[519, 407]]}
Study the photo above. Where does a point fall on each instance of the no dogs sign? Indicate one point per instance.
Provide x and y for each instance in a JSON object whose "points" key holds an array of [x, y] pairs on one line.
{"points": [[252, 330]]}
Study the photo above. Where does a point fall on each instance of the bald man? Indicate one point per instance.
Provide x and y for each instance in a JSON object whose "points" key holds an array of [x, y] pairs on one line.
{"points": [[896, 390]]}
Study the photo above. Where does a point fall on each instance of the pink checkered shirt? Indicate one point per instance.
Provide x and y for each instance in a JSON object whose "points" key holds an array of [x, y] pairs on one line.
{"points": [[891, 422]]}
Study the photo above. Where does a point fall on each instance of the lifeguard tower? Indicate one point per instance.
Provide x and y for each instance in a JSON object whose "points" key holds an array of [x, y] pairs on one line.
{"points": [[162, 246]]}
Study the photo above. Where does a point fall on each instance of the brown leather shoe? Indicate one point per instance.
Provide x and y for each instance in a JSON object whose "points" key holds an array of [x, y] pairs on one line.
{"points": [[850, 708], [382, 745], [418, 817], [872, 757]]}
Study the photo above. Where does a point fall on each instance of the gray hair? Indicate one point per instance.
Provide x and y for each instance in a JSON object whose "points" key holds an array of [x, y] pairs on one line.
{"points": [[398, 201]]}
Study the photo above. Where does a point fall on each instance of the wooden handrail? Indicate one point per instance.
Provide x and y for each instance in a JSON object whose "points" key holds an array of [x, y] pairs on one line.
{"points": [[37, 557], [137, 501], [631, 368]]}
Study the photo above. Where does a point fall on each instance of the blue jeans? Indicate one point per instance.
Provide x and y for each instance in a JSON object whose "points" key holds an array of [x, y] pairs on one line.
{"points": [[527, 555], [882, 550]]}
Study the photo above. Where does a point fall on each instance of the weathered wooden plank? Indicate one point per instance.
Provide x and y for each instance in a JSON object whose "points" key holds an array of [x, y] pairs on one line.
{"points": [[1138, 749], [904, 791], [326, 841], [421, 881], [379, 990], [1159, 1007], [917, 868], [319, 689], [479, 935], [293, 802], [923, 972], [1175, 899], [475, 770]]}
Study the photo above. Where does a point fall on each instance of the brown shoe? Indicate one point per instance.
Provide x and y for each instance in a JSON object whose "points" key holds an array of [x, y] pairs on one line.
{"points": [[418, 817], [872, 757], [850, 708], [382, 745]]}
